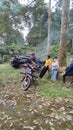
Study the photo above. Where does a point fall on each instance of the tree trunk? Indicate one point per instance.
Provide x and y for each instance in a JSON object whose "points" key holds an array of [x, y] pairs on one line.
{"points": [[64, 33], [49, 26]]}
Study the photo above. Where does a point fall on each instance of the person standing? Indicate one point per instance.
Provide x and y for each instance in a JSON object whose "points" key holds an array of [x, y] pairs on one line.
{"points": [[54, 69], [46, 66]]}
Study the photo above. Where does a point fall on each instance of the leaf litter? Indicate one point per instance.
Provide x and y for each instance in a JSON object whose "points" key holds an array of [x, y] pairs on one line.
{"points": [[21, 110]]}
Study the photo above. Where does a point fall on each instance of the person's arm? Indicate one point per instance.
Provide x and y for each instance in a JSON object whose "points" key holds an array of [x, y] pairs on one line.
{"points": [[34, 64], [69, 68]]}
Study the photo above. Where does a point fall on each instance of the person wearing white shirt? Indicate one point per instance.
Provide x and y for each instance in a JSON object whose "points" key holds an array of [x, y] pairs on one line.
{"points": [[54, 69]]}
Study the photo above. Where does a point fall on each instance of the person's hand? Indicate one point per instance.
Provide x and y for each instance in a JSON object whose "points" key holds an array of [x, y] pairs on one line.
{"points": [[63, 73]]}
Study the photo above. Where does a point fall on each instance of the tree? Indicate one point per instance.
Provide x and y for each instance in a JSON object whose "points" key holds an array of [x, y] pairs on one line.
{"points": [[49, 26], [64, 33], [38, 17], [10, 21]]}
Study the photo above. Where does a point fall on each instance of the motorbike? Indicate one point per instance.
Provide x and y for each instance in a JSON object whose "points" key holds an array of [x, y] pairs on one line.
{"points": [[29, 73]]}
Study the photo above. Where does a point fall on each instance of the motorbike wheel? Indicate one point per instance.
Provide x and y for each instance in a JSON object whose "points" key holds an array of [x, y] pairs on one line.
{"points": [[26, 83]]}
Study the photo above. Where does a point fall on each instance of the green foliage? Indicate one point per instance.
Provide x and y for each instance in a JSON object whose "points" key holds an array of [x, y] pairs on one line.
{"points": [[39, 12], [69, 45], [10, 21], [54, 50], [56, 25], [6, 58], [39, 31], [35, 15], [36, 36], [71, 112], [39, 16], [9, 50], [14, 37]]}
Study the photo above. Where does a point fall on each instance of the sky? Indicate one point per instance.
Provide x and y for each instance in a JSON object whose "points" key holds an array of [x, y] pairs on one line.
{"points": [[46, 1]]}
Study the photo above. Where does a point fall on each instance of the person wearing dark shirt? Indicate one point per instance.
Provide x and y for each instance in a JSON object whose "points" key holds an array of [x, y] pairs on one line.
{"points": [[68, 72]]}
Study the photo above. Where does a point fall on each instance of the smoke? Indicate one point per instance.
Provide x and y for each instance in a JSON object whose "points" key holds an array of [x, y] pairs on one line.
{"points": [[42, 47]]}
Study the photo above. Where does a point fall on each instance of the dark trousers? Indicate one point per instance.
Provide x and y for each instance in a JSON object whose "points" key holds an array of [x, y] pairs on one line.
{"points": [[43, 71], [64, 78]]}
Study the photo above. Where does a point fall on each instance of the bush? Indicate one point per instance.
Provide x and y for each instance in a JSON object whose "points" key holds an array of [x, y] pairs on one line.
{"points": [[14, 49], [6, 58]]}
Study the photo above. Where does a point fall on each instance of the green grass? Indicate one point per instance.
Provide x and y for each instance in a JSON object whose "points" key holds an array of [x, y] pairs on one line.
{"points": [[46, 87], [69, 57], [8, 75], [29, 108], [55, 90]]}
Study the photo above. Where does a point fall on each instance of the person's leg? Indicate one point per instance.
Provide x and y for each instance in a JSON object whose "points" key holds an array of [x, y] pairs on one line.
{"points": [[43, 71], [71, 82], [54, 75], [64, 78]]}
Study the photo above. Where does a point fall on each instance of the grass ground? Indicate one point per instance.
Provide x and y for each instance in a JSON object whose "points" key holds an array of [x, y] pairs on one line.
{"points": [[47, 105], [47, 88], [8, 75]]}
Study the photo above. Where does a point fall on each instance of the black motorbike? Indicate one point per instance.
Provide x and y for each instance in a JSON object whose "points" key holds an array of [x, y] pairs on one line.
{"points": [[29, 73]]}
